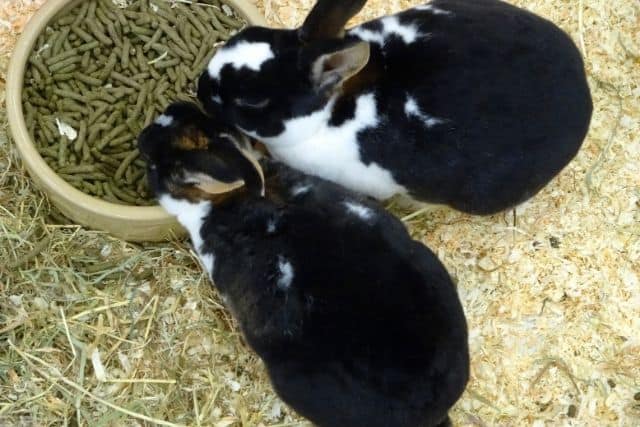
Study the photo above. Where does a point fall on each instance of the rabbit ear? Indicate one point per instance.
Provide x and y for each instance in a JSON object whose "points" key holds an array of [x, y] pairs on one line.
{"points": [[215, 164], [332, 69], [328, 18]]}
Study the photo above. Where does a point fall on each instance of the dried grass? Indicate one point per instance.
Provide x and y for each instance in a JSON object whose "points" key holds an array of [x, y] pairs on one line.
{"points": [[96, 330]]}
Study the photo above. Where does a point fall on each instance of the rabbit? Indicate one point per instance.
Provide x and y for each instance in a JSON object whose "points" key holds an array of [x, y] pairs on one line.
{"points": [[474, 104], [358, 325]]}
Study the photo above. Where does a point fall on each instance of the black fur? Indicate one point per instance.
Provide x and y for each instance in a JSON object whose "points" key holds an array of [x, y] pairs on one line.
{"points": [[368, 333], [509, 86]]}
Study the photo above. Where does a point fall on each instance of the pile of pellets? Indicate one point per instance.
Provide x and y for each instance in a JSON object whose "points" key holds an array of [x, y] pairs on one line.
{"points": [[100, 73]]}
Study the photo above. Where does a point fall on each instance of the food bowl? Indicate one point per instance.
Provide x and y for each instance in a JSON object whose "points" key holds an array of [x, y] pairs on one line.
{"points": [[133, 223]]}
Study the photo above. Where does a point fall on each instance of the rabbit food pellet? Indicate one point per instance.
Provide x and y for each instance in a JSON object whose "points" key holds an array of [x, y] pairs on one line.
{"points": [[100, 73]]}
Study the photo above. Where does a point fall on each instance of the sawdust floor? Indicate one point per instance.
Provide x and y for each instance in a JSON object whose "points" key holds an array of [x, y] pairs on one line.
{"points": [[552, 291]]}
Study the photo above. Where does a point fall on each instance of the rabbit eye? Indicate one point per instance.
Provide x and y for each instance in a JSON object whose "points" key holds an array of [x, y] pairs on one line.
{"points": [[251, 103]]}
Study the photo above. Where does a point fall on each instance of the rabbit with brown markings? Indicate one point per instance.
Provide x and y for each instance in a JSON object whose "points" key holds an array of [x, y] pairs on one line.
{"points": [[475, 104], [358, 325]]}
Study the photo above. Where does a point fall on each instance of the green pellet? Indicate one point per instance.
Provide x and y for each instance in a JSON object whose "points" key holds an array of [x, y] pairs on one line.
{"points": [[70, 94], [188, 29], [114, 35], [71, 179], [50, 152], [68, 69], [141, 60], [99, 112], [172, 74], [104, 15], [86, 57], [77, 169], [117, 191], [68, 105], [101, 95], [120, 91], [166, 64], [174, 36], [95, 30], [149, 116], [126, 49], [107, 190], [179, 51], [79, 142], [112, 134], [58, 45], [93, 68], [215, 21], [128, 137], [39, 65], [141, 97], [61, 56], [86, 37], [227, 19], [164, 16], [121, 18], [62, 151], [65, 63], [111, 63], [127, 190], [95, 129], [126, 80], [87, 47], [135, 176], [91, 10], [95, 176], [137, 30], [128, 176], [125, 164], [49, 124], [114, 116], [48, 134], [197, 23], [104, 159], [92, 81], [154, 39], [82, 12], [86, 153], [62, 77], [154, 73]]}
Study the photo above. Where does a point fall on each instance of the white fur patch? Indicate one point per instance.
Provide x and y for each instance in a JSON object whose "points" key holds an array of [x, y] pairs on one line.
{"points": [[286, 273], [300, 189], [163, 120], [208, 262], [412, 109], [431, 8], [368, 35], [191, 216], [309, 144], [243, 54], [271, 226], [359, 210], [391, 26]]}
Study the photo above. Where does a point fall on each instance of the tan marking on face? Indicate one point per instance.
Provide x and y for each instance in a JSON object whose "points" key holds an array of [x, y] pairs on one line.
{"points": [[193, 140]]}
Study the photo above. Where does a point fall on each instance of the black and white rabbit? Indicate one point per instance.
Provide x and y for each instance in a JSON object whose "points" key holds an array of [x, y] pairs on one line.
{"points": [[475, 104], [358, 325]]}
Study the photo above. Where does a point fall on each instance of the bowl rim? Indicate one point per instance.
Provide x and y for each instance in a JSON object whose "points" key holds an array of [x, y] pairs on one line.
{"points": [[40, 172]]}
